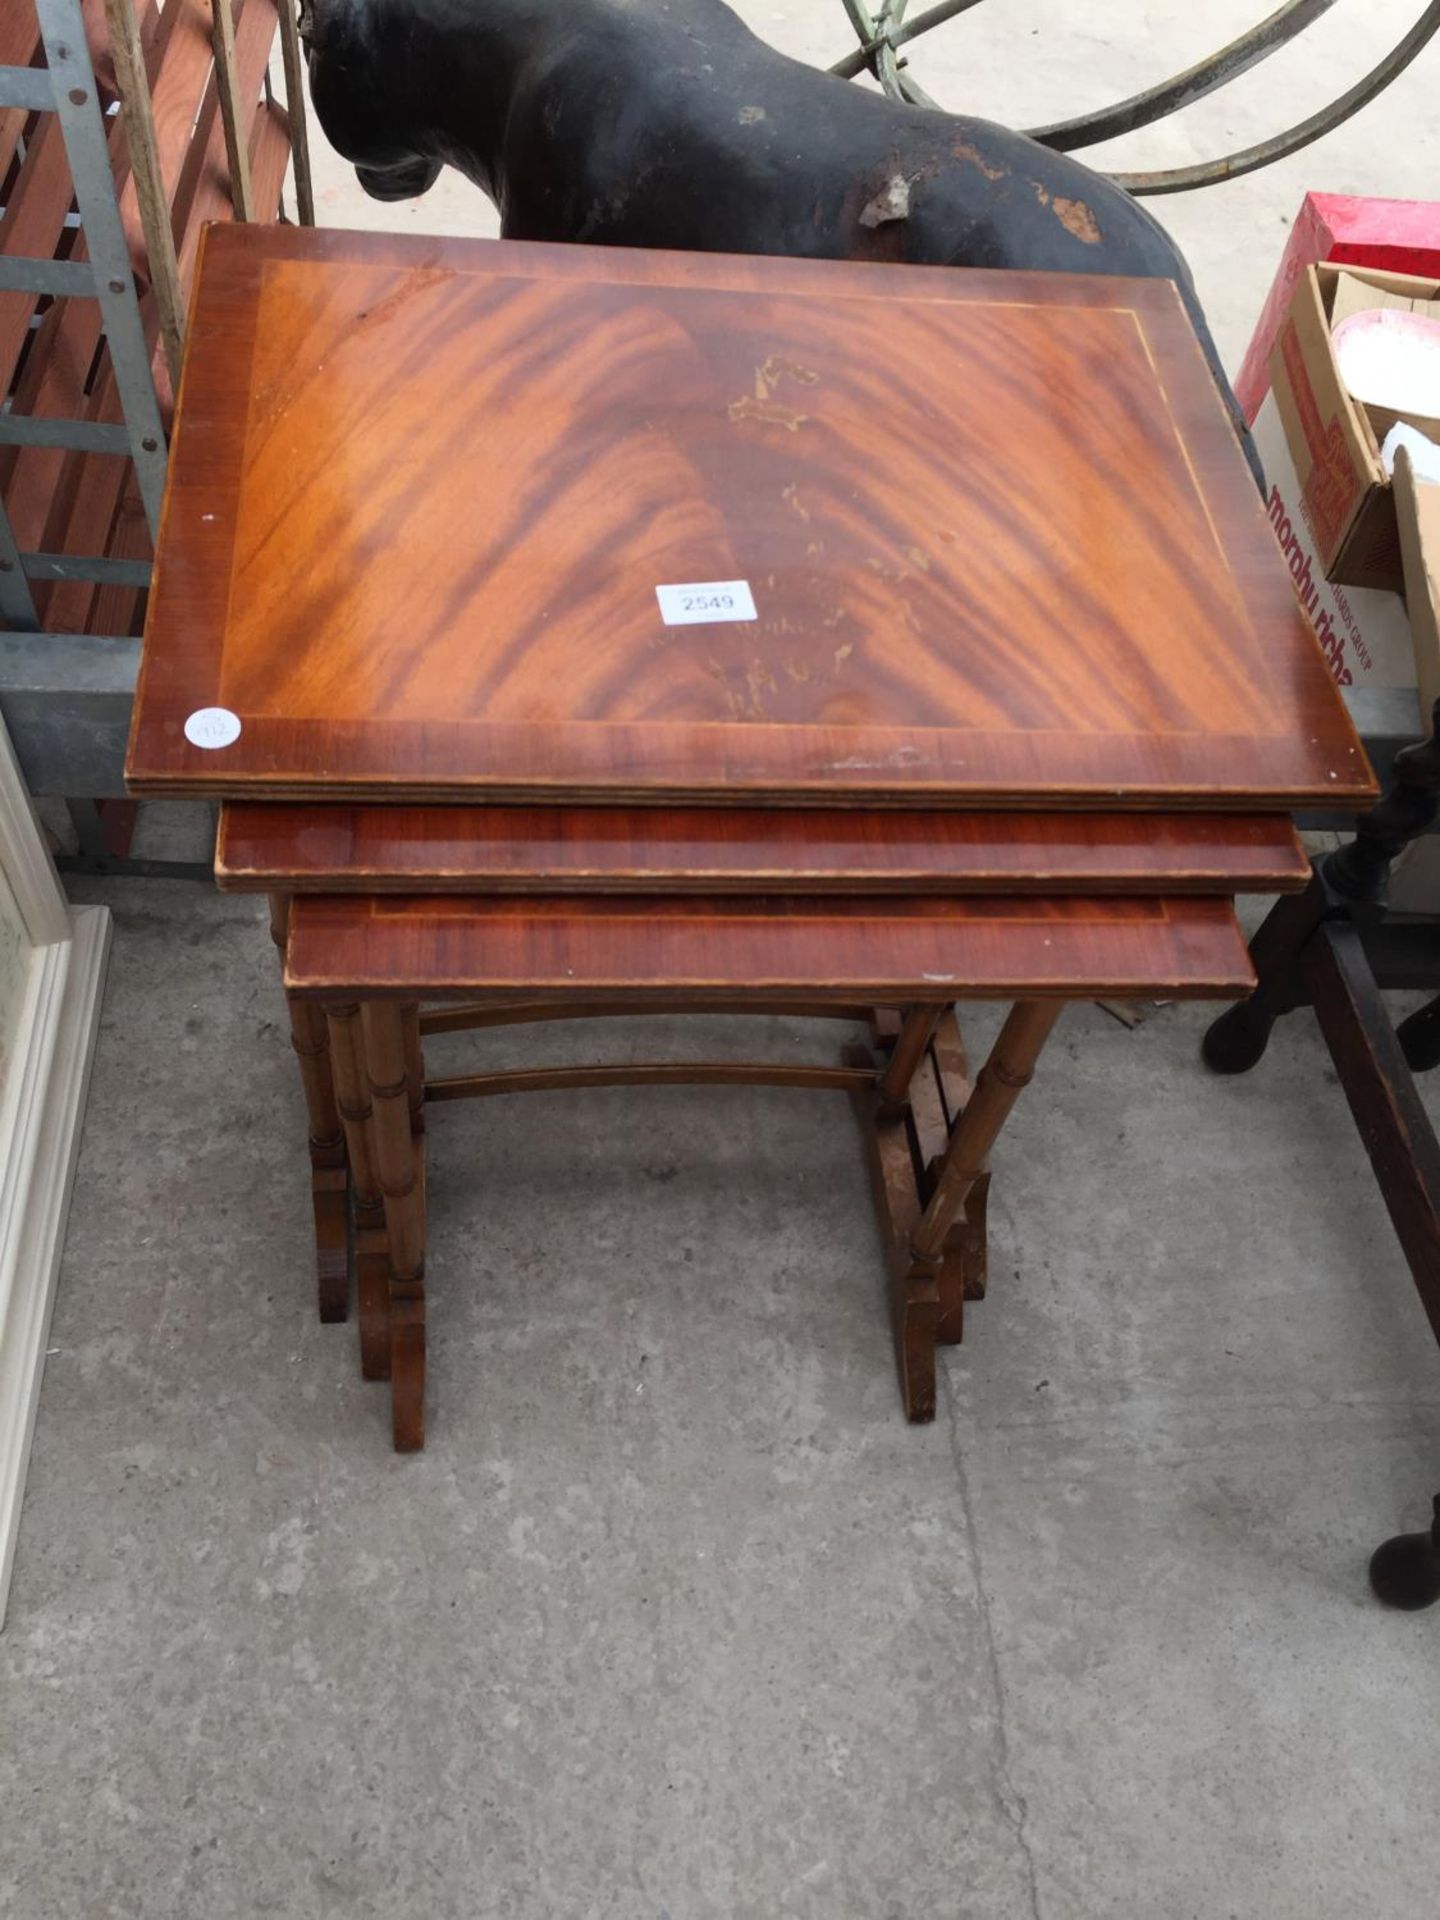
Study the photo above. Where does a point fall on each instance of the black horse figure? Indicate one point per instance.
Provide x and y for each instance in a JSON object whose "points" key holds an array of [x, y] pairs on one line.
{"points": [[667, 123]]}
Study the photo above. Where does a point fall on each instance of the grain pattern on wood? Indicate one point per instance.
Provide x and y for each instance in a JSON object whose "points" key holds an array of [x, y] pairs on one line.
{"points": [[898, 949], [336, 849], [424, 490]]}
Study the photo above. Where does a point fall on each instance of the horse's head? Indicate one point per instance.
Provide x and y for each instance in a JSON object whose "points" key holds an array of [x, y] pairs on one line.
{"points": [[365, 96]]}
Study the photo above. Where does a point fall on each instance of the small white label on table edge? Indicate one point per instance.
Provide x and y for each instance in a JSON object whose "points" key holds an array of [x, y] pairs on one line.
{"points": [[212, 727]]}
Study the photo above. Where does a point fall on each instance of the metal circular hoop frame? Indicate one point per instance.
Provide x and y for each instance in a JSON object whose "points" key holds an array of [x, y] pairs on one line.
{"points": [[883, 33]]}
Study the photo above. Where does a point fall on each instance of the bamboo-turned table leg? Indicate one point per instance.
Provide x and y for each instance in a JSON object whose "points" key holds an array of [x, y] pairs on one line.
{"points": [[372, 1254], [938, 1097], [414, 1066], [329, 1175], [917, 1029], [400, 1164], [1008, 1070], [926, 1287], [906, 1119], [923, 1090]]}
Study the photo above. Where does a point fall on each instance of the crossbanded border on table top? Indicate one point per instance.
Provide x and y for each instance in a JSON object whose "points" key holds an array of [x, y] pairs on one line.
{"points": [[1002, 543], [277, 848], [894, 950]]}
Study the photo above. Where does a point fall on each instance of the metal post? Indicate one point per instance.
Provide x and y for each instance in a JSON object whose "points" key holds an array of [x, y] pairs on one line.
{"points": [[17, 608], [62, 29], [136, 107]]}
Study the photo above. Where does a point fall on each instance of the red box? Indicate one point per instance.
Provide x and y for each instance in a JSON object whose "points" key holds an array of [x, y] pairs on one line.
{"points": [[1400, 236]]}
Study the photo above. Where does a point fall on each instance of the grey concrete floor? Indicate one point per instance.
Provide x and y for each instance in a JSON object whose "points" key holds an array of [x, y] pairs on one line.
{"points": [[676, 1615], [676, 1619]]}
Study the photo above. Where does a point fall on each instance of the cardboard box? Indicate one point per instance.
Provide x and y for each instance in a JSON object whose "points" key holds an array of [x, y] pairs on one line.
{"points": [[1364, 633], [1393, 236], [1415, 877], [1418, 512], [1344, 490]]}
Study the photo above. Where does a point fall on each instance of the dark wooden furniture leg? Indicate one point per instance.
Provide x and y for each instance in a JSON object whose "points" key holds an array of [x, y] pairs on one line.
{"points": [[400, 1167], [1311, 951], [1405, 1571], [1238, 1039], [329, 1174], [372, 1260], [1405, 1154], [1383, 1097], [1347, 883], [1419, 1038]]}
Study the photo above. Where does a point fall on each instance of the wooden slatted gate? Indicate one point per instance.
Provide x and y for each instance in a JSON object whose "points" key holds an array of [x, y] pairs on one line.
{"points": [[115, 149]]}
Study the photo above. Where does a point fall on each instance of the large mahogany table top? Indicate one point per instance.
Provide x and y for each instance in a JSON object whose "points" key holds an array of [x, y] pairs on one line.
{"points": [[288, 848], [1002, 545], [899, 949]]}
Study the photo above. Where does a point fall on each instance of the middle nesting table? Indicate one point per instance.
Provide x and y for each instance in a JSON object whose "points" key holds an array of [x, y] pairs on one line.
{"points": [[880, 917]]}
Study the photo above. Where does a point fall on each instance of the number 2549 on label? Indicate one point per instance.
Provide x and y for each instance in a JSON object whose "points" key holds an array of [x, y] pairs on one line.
{"points": [[706, 601]]}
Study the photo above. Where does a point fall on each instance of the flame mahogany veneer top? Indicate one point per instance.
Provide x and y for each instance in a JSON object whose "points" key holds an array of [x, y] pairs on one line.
{"points": [[1003, 547]]}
